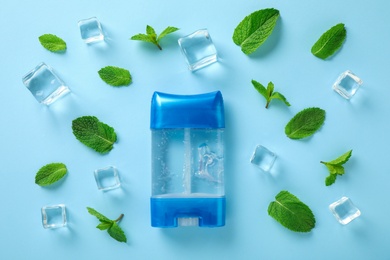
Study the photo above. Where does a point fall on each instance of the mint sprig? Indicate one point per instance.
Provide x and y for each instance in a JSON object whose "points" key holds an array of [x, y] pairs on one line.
{"points": [[329, 42], [335, 167], [112, 227], [115, 76], [292, 213], [254, 29], [94, 134], [152, 37], [305, 123], [50, 173], [52, 43], [268, 93]]}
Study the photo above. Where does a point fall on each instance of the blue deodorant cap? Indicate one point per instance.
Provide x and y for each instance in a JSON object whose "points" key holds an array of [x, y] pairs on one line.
{"points": [[187, 111]]}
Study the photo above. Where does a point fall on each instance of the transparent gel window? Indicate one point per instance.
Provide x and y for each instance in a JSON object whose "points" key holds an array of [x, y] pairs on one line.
{"points": [[199, 173], [263, 158], [107, 178], [44, 84], [54, 216], [344, 210], [198, 49]]}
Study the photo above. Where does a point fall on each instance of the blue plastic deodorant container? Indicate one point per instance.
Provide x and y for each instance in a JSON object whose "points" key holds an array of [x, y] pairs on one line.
{"points": [[187, 160]]}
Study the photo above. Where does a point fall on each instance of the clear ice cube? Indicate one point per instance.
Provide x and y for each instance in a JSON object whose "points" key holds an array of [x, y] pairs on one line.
{"points": [[107, 178], [54, 216], [344, 210], [198, 49], [91, 30], [44, 84], [347, 84], [263, 158]]}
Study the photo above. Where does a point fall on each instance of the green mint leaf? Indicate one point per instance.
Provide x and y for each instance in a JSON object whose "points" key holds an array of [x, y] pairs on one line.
{"points": [[94, 134], [260, 88], [110, 225], [330, 179], [254, 29], [335, 167], [115, 76], [105, 225], [117, 233], [305, 123], [150, 31], [98, 215], [52, 43], [277, 95], [329, 42], [268, 93], [270, 89], [50, 174], [293, 214], [143, 37], [151, 35], [168, 30], [342, 159]]}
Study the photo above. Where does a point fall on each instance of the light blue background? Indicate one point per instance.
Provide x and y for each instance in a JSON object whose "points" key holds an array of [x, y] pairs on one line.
{"points": [[33, 135]]}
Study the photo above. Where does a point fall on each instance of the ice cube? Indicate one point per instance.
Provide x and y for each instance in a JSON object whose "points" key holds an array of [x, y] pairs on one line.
{"points": [[91, 30], [44, 84], [198, 49], [263, 158]]}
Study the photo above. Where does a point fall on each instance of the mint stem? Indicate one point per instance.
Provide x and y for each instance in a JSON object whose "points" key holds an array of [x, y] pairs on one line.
{"points": [[266, 106], [158, 45], [119, 218]]}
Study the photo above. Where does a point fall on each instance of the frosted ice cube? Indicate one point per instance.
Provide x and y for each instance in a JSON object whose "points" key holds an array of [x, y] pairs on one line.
{"points": [[54, 216], [91, 30], [263, 158], [107, 178], [44, 84], [198, 49], [344, 210], [347, 84]]}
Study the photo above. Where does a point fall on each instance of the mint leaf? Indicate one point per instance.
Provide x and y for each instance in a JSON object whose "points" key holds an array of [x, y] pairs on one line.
{"points": [[167, 31], [330, 179], [143, 37], [115, 76], [94, 134], [50, 173], [305, 123], [254, 29], [268, 93], [293, 214], [111, 226], [335, 167], [329, 42], [99, 216], [342, 159], [260, 88], [151, 35], [105, 225], [52, 42], [117, 233], [279, 96], [150, 31]]}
